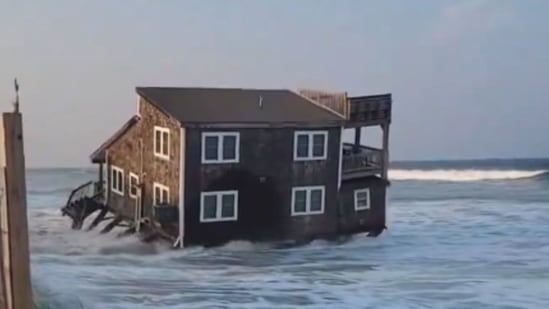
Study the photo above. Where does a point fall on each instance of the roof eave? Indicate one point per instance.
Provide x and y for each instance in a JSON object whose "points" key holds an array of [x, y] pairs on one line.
{"points": [[264, 124], [98, 156]]}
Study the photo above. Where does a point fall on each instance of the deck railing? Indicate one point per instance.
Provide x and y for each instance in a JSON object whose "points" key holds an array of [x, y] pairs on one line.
{"points": [[90, 189], [370, 108], [367, 158], [82, 202]]}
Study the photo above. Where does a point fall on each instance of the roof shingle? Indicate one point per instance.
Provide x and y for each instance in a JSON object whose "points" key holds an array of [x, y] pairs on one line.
{"points": [[234, 105]]}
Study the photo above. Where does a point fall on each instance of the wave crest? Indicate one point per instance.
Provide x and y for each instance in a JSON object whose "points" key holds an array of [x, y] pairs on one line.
{"points": [[462, 175]]}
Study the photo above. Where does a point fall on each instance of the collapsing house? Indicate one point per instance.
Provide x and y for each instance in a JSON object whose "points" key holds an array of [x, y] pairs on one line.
{"points": [[204, 166]]}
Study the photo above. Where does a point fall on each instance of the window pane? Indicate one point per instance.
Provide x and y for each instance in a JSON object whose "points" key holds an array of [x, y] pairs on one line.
{"points": [[229, 147], [133, 183], [316, 200], [156, 195], [209, 207], [165, 142], [164, 196], [211, 147], [362, 199], [302, 146], [117, 180], [157, 141], [113, 179], [227, 205], [318, 145], [299, 201], [120, 181]]}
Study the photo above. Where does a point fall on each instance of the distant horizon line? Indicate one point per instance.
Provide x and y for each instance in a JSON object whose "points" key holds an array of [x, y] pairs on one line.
{"points": [[92, 166]]}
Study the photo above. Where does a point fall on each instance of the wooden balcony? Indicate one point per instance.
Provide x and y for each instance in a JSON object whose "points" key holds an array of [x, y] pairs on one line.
{"points": [[361, 111], [369, 110], [361, 161]]}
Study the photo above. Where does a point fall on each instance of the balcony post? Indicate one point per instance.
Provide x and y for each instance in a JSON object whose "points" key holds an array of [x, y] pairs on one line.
{"points": [[385, 150], [358, 131], [100, 186], [107, 188]]}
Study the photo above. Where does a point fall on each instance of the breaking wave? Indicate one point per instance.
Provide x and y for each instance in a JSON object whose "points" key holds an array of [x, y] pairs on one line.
{"points": [[464, 175]]}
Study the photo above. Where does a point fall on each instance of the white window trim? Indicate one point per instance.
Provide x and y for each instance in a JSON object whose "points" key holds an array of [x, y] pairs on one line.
{"points": [[162, 130], [308, 190], [119, 170], [218, 195], [131, 183], [161, 187], [359, 191], [220, 136], [310, 156]]}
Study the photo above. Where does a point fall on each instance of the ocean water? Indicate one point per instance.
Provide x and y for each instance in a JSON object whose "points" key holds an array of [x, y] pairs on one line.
{"points": [[469, 234]]}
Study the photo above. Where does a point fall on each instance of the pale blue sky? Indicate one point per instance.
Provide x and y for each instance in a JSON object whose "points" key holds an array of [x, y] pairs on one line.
{"points": [[470, 79]]}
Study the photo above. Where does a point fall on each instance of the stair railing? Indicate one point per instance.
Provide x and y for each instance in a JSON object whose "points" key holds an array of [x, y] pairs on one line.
{"points": [[88, 189]]}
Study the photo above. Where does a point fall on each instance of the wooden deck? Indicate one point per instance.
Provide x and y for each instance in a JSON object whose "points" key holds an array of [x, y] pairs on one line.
{"points": [[361, 161], [369, 110]]}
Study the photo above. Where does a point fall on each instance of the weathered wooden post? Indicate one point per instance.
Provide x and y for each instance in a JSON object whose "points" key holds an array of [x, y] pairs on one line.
{"points": [[385, 147], [14, 240]]}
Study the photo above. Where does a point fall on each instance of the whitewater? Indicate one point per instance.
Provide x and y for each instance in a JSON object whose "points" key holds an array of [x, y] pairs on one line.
{"points": [[457, 175], [459, 236]]}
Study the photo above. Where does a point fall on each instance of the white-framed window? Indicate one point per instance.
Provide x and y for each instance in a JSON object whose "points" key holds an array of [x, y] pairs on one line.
{"points": [[362, 199], [117, 180], [162, 142], [310, 145], [218, 206], [220, 147], [133, 182], [308, 200], [161, 194]]}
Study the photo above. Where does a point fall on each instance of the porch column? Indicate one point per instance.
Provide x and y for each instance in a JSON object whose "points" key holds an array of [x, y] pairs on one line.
{"points": [[358, 131], [107, 195], [100, 186], [385, 128]]}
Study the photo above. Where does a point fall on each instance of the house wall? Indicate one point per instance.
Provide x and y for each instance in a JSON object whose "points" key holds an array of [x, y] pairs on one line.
{"points": [[353, 221], [264, 178], [125, 153]]}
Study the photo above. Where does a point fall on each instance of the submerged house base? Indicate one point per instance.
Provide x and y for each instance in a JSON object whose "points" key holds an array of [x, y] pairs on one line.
{"points": [[205, 166], [370, 221]]}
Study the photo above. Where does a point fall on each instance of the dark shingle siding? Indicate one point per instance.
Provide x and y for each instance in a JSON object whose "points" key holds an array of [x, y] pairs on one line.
{"points": [[233, 105], [98, 156]]}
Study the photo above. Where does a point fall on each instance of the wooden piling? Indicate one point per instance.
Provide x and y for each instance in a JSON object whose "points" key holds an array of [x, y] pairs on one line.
{"points": [[15, 278]]}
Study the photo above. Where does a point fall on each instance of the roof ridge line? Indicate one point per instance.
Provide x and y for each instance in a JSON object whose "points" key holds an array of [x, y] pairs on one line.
{"points": [[211, 88]]}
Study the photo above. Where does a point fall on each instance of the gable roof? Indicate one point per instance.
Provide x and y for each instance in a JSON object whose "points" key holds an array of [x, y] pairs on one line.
{"points": [[235, 105], [98, 156]]}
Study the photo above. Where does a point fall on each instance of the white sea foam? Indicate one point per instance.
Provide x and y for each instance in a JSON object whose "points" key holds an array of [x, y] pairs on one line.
{"points": [[51, 233], [442, 252], [461, 175]]}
